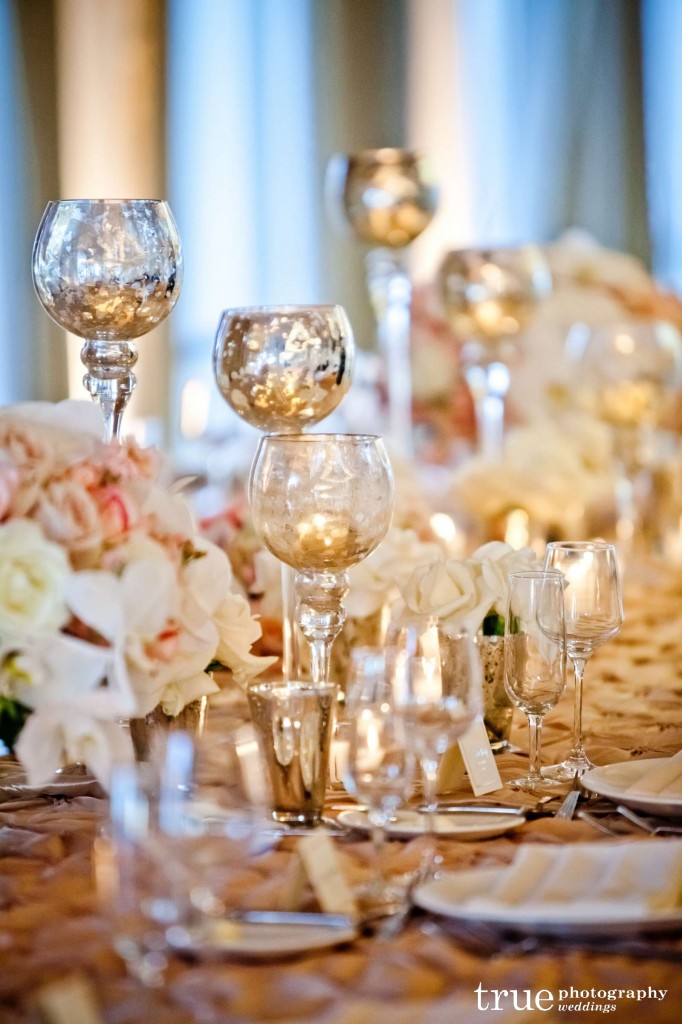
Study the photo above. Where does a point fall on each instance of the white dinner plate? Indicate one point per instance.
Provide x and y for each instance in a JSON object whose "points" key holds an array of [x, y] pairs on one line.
{"points": [[448, 894], [612, 781], [70, 782], [458, 824], [267, 941]]}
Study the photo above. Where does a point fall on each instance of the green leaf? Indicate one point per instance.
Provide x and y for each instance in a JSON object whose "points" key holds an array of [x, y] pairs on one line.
{"points": [[13, 715], [493, 625]]}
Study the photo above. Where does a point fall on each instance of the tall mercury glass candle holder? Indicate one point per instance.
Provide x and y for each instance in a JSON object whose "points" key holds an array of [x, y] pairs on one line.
{"points": [[321, 503], [386, 198], [108, 271], [283, 369], [489, 296]]}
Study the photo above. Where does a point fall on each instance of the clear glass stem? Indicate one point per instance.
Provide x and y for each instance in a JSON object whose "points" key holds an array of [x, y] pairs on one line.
{"points": [[534, 747], [290, 660], [488, 385], [109, 380], [321, 615], [391, 293], [378, 819], [429, 767], [578, 751]]}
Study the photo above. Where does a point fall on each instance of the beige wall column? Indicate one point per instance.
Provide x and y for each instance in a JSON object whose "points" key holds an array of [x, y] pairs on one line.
{"points": [[111, 120]]}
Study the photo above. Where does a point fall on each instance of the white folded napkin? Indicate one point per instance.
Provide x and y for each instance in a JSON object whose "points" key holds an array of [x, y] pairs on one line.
{"points": [[584, 881], [664, 779]]}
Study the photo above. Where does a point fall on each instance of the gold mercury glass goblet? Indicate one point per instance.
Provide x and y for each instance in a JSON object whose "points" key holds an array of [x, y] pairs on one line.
{"points": [[284, 368], [386, 197], [321, 503], [109, 271], [489, 296]]}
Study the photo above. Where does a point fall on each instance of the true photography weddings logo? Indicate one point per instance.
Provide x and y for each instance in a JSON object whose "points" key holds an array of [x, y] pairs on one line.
{"points": [[603, 1000]]}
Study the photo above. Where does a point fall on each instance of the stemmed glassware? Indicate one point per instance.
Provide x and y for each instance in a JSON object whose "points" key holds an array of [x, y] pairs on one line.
{"points": [[489, 296], [386, 197], [108, 270], [625, 374], [321, 503], [593, 615], [437, 685], [284, 368], [535, 656], [380, 762]]}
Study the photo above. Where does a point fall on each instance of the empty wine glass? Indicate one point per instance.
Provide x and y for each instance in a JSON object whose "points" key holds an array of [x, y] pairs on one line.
{"points": [[437, 685], [321, 503], [593, 615], [489, 296], [535, 657], [284, 368], [386, 197], [108, 270], [380, 764]]}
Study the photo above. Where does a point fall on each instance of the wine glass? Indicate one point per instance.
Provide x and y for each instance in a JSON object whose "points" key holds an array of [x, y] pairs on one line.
{"points": [[437, 685], [381, 763], [626, 374], [594, 614], [284, 368], [108, 270], [386, 197], [535, 656], [489, 296], [321, 503]]}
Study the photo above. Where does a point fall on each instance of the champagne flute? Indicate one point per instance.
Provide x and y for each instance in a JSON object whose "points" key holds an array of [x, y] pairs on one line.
{"points": [[386, 197], [321, 503], [380, 769], [108, 270], [535, 657], [489, 296], [284, 368], [593, 614], [437, 685]]}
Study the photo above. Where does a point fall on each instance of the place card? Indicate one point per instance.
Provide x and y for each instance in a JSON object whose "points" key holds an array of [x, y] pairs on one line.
{"points": [[479, 759], [325, 874]]}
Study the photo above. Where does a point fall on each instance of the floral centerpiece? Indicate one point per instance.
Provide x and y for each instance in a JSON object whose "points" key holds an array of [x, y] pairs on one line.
{"points": [[111, 604], [470, 595]]}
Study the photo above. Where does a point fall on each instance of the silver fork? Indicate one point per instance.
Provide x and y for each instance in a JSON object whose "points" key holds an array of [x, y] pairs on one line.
{"points": [[567, 809], [654, 830]]}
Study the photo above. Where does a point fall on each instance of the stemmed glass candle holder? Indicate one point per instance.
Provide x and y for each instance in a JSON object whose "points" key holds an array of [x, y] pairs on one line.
{"points": [[380, 762], [386, 197], [593, 615], [108, 270], [321, 503], [535, 656], [439, 691], [284, 368], [489, 295]]}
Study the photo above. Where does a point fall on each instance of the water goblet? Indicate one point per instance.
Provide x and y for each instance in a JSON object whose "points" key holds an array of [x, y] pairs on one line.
{"points": [[386, 197], [489, 296], [593, 606], [380, 769], [437, 686], [108, 270], [535, 657], [321, 503], [284, 368]]}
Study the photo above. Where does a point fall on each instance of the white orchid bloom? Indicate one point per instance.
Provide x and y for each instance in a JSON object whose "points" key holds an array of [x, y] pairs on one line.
{"points": [[238, 630], [65, 732]]}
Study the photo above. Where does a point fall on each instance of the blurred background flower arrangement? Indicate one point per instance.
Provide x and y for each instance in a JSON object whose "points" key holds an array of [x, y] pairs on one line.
{"points": [[111, 603]]}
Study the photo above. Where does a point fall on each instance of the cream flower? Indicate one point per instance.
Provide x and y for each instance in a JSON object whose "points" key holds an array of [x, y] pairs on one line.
{"points": [[497, 560], [33, 572], [452, 591], [238, 630], [69, 515], [380, 577]]}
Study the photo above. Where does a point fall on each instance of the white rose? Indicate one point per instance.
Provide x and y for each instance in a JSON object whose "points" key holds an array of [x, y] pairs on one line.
{"points": [[238, 631], [379, 578], [451, 590], [497, 560], [33, 572]]}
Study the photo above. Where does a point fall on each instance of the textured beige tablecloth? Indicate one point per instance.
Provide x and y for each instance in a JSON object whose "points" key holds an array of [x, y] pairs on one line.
{"points": [[50, 926]]}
